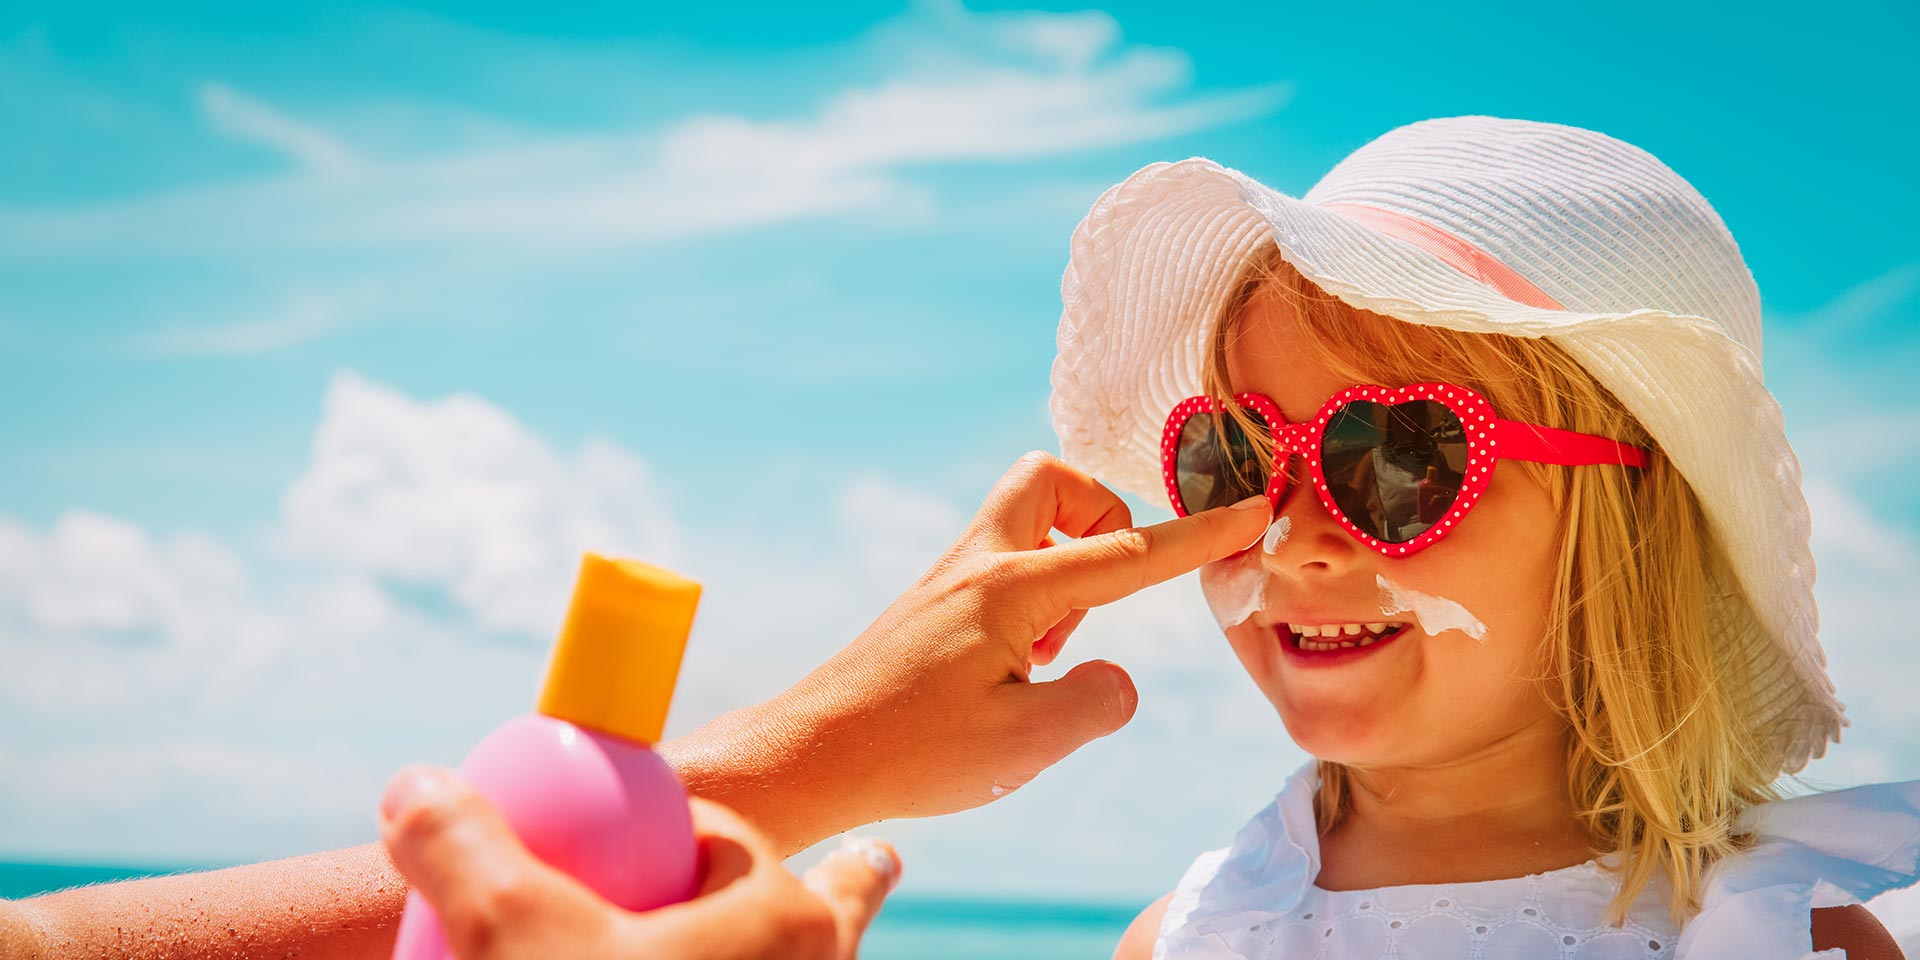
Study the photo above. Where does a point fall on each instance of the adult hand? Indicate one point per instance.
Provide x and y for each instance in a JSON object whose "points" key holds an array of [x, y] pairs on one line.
{"points": [[496, 901], [932, 709]]}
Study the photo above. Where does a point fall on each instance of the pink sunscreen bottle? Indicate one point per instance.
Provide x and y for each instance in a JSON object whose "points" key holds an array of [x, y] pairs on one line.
{"points": [[578, 778]]}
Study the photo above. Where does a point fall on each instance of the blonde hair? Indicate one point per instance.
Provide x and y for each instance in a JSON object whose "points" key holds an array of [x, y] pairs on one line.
{"points": [[1660, 755]]}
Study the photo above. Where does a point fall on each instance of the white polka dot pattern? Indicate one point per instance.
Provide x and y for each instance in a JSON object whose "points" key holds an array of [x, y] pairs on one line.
{"points": [[1257, 899], [1557, 914], [1304, 440]]}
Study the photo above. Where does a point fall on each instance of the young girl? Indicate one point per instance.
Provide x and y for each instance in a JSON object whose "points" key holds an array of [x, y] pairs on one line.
{"points": [[1537, 595]]}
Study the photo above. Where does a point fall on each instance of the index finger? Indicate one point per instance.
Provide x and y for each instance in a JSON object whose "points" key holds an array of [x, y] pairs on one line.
{"points": [[1100, 569]]}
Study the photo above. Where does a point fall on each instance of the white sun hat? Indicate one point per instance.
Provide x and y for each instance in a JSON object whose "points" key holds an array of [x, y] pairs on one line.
{"points": [[1487, 225]]}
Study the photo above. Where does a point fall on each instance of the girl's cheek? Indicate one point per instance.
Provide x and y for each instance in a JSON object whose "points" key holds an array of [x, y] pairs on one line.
{"points": [[1260, 658], [1236, 588]]}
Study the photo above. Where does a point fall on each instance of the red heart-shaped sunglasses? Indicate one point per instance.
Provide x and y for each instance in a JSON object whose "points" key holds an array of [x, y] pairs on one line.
{"points": [[1397, 466]]}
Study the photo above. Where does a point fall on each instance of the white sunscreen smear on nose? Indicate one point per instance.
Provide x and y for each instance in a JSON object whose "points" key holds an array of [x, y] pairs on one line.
{"points": [[1435, 614], [1236, 588], [1276, 534]]}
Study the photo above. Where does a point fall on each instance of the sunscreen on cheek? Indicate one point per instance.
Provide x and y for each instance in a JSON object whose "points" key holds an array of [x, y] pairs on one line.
{"points": [[1236, 588], [1435, 615], [578, 778]]}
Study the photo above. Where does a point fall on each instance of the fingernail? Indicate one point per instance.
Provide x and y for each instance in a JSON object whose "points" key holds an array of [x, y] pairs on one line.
{"points": [[877, 856], [413, 785], [1250, 503]]}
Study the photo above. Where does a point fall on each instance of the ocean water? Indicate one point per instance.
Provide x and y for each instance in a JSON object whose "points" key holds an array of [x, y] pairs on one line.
{"points": [[908, 928]]}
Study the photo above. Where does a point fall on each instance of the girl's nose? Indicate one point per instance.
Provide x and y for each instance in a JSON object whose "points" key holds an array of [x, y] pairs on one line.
{"points": [[1305, 540]]}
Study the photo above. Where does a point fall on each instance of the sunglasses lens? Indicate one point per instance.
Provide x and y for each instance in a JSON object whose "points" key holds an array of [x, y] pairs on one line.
{"points": [[1394, 470], [1217, 463]]}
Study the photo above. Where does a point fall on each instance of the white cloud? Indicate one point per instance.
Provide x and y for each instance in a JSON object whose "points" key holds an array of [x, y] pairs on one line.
{"points": [[1838, 371], [1842, 381], [96, 609], [1851, 543], [304, 317], [245, 118], [1867, 569], [962, 86], [127, 778], [898, 532], [1867, 306], [457, 495], [983, 112]]}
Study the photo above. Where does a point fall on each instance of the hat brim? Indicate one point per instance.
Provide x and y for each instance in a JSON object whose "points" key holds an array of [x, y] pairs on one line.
{"points": [[1153, 262]]}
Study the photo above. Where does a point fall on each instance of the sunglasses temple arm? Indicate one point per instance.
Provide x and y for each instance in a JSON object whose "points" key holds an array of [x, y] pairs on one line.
{"points": [[1513, 440]]}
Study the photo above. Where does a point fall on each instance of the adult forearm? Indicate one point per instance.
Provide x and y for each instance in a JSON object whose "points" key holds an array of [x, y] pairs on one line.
{"points": [[767, 763], [337, 905], [345, 904]]}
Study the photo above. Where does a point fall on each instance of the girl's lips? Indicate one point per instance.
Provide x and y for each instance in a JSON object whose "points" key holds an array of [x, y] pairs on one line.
{"points": [[1332, 658]]}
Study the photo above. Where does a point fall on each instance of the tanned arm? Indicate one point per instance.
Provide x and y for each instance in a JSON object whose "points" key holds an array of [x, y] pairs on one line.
{"points": [[1857, 931], [335, 905], [1137, 942]]}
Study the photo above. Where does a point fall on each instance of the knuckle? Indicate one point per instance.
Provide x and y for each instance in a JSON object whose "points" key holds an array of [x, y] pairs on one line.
{"points": [[489, 909], [1031, 467], [509, 901], [1018, 481], [1129, 544], [430, 820], [1126, 549], [1037, 459]]}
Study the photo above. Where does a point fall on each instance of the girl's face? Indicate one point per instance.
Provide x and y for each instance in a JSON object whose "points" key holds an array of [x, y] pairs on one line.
{"points": [[1418, 700]]}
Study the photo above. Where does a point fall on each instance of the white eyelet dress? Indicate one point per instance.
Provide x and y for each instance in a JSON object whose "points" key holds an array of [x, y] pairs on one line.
{"points": [[1256, 898]]}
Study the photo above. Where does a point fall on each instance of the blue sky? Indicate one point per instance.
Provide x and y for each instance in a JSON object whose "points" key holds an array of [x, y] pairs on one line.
{"points": [[329, 335]]}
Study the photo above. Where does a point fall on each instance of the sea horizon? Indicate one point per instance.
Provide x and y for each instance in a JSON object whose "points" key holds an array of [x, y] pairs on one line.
{"points": [[921, 926]]}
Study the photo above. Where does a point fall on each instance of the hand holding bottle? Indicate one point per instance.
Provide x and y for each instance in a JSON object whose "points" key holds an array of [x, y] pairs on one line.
{"points": [[495, 900]]}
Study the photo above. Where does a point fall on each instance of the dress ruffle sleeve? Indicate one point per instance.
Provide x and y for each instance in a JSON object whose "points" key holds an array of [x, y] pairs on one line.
{"points": [[1824, 850], [1263, 874]]}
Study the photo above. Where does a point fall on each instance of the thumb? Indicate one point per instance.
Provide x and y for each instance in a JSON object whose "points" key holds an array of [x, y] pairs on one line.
{"points": [[1060, 716], [460, 854], [853, 880]]}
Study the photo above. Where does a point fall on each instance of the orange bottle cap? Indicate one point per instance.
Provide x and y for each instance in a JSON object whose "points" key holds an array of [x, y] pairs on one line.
{"points": [[618, 657]]}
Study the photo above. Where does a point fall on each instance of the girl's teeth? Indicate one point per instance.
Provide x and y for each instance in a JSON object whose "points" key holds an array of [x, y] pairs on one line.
{"points": [[1348, 634]]}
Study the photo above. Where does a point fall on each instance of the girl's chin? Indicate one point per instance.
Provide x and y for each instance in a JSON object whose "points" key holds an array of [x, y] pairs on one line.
{"points": [[1344, 736], [1338, 750]]}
